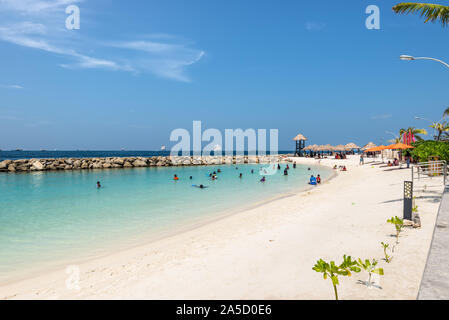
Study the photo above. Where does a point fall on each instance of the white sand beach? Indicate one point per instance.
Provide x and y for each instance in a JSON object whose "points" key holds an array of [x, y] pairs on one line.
{"points": [[268, 252]]}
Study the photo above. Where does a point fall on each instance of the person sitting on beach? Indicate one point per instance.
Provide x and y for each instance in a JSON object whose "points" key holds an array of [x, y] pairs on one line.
{"points": [[335, 167], [175, 178], [389, 163], [396, 162], [312, 181], [263, 179], [344, 168], [98, 185]]}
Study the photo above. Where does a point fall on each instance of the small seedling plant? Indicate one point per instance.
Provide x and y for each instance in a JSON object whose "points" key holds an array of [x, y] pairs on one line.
{"points": [[332, 271], [385, 247], [370, 267], [399, 224]]}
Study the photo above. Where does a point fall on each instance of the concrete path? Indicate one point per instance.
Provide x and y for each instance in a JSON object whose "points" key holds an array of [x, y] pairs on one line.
{"points": [[435, 281]]}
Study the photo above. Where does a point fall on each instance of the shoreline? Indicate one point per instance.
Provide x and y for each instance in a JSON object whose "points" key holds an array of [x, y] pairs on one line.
{"points": [[161, 233], [155, 270]]}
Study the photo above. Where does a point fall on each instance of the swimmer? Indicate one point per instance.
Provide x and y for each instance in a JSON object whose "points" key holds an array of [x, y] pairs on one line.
{"points": [[191, 178], [240, 176], [263, 179], [285, 172], [294, 165], [98, 185], [175, 178], [252, 170], [279, 166], [219, 170]]}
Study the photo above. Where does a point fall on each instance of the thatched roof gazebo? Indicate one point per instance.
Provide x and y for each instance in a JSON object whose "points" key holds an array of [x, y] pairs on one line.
{"points": [[352, 145], [300, 144], [340, 147], [369, 145]]}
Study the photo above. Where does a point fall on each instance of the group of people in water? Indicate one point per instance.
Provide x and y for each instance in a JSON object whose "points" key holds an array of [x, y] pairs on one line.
{"points": [[214, 175]]}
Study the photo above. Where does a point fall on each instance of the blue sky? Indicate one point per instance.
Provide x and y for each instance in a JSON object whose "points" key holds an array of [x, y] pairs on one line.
{"points": [[136, 70]]}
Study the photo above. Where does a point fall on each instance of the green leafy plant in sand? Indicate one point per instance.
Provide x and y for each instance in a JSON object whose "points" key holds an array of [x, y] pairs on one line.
{"points": [[332, 271], [385, 247], [370, 267], [399, 224]]}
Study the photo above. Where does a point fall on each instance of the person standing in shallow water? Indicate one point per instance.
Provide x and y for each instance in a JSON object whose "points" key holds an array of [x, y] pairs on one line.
{"points": [[98, 185]]}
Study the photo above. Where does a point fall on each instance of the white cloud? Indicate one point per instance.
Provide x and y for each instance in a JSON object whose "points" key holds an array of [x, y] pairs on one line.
{"points": [[381, 116], [315, 26], [37, 24], [11, 86]]}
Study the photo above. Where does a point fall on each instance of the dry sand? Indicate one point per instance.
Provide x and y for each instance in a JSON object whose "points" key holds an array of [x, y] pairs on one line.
{"points": [[268, 252]]}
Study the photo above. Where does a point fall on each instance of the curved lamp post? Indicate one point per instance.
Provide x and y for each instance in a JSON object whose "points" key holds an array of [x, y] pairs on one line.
{"points": [[410, 58]]}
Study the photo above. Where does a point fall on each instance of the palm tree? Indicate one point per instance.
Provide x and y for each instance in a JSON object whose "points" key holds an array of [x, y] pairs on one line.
{"points": [[440, 127], [432, 12], [446, 112], [415, 131]]}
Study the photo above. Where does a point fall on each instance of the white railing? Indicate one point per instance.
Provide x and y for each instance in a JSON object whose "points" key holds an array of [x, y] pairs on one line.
{"points": [[430, 169]]}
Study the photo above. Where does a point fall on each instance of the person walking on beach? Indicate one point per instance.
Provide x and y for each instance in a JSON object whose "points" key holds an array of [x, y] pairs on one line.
{"points": [[362, 161], [318, 179], [408, 162]]}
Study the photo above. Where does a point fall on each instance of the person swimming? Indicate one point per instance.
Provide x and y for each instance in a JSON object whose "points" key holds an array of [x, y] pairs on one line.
{"points": [[240, 175], [191, 178], [252, 170], [263, 179], [288, 168], [308, 169], [175, 178], [285, 172], [199, 186], [98, 185], [219, 170], [279, 166], [294, 165]]}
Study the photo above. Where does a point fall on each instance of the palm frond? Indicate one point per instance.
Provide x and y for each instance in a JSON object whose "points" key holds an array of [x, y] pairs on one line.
{"points": [[446, 112], [432, 12]]}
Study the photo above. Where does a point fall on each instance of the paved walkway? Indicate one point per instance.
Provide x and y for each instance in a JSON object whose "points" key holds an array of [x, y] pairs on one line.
{"points": [[435, 281]]}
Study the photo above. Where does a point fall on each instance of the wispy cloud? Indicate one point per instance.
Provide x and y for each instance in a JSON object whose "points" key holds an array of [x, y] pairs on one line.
{"points": [[315, 26], [10, 86], [381, 116], [33, 24]]}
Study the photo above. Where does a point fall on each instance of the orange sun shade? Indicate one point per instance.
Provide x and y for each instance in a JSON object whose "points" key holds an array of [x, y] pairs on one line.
{"points": [[376, 149], [399, 146]]}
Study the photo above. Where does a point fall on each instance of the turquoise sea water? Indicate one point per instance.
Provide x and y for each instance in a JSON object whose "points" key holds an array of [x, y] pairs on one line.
{"points": [[51, 218]]}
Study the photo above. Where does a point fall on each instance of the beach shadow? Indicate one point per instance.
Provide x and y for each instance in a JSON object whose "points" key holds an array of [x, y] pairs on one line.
{"points": [[432, 199], [369, 285]]}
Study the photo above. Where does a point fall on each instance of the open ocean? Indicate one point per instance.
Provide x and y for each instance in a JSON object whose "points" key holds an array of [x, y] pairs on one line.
{"points": [[27, 154]]}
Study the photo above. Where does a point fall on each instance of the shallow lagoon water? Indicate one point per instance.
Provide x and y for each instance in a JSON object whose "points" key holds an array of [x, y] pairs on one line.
{"points": [[52, 218]]}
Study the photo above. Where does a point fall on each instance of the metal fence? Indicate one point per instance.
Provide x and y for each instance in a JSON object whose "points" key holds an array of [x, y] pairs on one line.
{"points": [[430, 169]]}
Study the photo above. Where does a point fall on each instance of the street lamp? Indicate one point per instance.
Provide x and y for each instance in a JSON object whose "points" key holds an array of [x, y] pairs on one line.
{"points": [[410, 58]]}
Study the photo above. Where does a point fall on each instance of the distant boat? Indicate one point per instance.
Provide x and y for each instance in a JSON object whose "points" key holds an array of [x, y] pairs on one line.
{"points": [[163, 148], [18, 150], [122, 149]]}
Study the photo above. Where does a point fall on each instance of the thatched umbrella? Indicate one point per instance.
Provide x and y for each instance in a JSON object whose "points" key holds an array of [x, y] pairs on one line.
{"points": [[311, 147], [369, 145], [340, 147], [352, 145], [300, 141], [299, 137]]}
